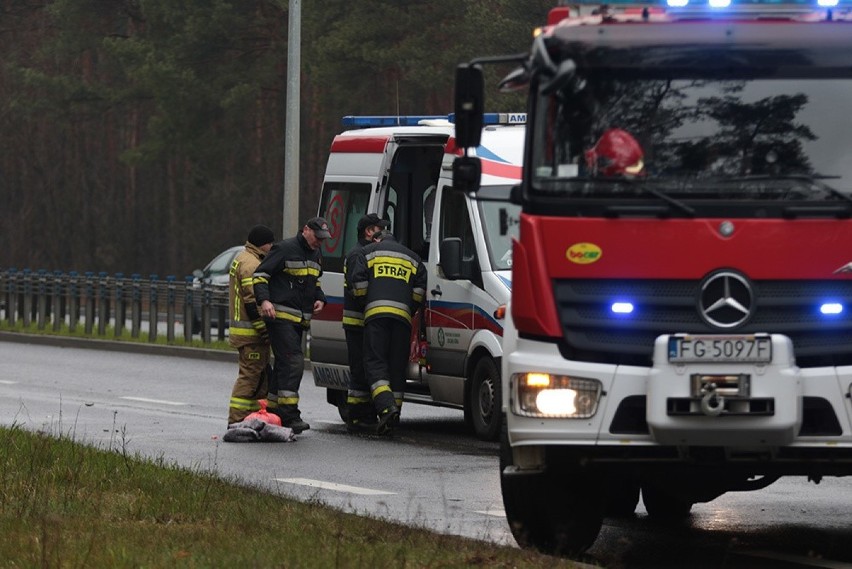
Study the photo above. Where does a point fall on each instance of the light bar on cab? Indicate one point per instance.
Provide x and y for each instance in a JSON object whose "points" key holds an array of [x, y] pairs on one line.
{"points": [[372, 121], [769, 5], [756, 3], [751, 5]]}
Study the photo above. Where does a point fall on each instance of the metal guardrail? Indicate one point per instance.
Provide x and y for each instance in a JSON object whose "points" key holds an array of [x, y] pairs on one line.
{"points": [[55, 299]]}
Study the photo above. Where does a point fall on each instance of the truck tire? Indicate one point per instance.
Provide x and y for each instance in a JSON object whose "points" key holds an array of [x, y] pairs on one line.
{"points": [[622, 495], [558, 512], [485, 400], [664, 506]]}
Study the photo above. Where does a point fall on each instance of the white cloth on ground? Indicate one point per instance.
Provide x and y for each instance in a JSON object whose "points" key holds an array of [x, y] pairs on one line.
{"points": [[255, 430]]}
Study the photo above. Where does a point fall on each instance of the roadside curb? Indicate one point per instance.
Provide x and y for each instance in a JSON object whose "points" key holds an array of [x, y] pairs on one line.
{"points": [[118, 346]]}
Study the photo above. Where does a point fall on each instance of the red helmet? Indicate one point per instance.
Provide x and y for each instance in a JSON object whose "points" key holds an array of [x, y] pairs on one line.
{"points": [[616, 154]]}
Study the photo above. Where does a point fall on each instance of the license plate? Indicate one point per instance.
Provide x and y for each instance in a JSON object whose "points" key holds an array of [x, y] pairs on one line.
{"points": [[720, 349]]}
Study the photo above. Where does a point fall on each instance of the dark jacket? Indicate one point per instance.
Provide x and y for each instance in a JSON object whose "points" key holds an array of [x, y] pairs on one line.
{"points": [[289, 277], [353, 306], [390, 278]]}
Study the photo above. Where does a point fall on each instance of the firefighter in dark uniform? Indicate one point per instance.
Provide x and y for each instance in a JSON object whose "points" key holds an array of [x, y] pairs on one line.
{"points": [[392, 281], [288, 292], [360, 413], [247, 330]]}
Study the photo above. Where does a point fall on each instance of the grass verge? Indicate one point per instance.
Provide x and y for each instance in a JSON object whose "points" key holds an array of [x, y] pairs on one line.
{"points": [[64, 504]]}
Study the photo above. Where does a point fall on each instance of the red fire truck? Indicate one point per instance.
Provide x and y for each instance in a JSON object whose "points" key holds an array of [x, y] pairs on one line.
{"points": [[680, 320]]}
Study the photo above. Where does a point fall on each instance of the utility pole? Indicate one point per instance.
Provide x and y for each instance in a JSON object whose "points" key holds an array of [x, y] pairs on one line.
{"points": [[291, 128]]}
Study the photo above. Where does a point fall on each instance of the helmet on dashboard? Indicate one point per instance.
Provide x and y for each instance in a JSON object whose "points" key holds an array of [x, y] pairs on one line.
{"points": [[616, 154]]}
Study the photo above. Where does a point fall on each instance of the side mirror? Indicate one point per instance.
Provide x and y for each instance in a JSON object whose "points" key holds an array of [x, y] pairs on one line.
{"points": [[467, 172], [516, 195], [198, 273], [469, 105], [451, 251]]}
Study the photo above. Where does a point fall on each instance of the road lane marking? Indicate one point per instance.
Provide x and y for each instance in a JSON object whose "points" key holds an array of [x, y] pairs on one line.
{"points": [[332, 486], [495, 513], [7, 382], [158, 401]]}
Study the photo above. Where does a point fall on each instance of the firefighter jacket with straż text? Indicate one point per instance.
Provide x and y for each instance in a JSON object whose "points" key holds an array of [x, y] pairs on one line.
{"points": [[390, 278], [353, 306], [246, 326], [289, 277]]}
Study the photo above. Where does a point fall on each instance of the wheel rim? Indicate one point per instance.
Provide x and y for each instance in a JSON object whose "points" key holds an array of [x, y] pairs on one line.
{"points": [[486, 399]]}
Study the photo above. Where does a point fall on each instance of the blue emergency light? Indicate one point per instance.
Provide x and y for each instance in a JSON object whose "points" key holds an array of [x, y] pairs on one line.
{"points": [[622, 307], [752, 4], [831, 308], [719, 4], [373, 121]]}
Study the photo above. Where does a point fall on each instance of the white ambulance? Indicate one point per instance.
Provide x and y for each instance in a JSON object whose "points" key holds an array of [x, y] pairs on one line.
{"points": [[401, 168]]}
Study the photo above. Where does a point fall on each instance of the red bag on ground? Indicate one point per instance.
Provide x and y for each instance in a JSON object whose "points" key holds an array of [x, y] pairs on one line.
{"points": [[264, 415]]}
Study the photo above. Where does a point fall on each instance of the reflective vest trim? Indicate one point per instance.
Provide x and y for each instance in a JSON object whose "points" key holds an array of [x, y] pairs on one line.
{"points": [[387, 310], [244, 404]]}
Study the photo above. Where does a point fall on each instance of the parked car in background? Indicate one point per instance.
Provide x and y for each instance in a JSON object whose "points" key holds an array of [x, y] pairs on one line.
{"points": [[214, 274]]}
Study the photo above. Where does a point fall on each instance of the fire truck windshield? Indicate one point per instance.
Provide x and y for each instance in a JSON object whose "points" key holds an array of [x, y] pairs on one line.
{"points": [[607, 137]]}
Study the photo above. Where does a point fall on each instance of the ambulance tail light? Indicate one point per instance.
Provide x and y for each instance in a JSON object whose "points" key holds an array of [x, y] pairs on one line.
{"points": [[539, 394]]}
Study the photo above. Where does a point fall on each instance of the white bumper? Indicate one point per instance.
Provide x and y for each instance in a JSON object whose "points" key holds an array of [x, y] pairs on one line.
{"points": [[674, 420]]}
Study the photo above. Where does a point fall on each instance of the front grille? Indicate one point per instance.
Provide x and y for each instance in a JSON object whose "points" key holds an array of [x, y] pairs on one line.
{"points": [[818, 418], [591, 332]]}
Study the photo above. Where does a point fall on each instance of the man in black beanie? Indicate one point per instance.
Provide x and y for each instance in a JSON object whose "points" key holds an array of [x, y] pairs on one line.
{"points": [[360, 414], [247, 329]]}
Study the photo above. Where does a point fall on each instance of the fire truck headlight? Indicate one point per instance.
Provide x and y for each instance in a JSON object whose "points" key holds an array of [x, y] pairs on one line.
{"points": [[719, 3], [557, 396]]}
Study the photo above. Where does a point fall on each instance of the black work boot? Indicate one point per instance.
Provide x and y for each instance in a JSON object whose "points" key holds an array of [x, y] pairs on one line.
{"points": [[360, 426], [388, 418], [297, 424]]}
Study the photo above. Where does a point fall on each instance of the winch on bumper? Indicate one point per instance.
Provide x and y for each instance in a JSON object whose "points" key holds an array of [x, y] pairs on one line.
{"points": [[737, 390]]}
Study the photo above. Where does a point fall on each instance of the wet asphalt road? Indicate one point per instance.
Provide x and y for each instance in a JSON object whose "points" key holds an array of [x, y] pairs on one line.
{"points": [[433, 473]]}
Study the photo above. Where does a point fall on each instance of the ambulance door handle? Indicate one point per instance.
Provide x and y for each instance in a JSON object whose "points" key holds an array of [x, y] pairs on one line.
{"points": [[436, 291]]}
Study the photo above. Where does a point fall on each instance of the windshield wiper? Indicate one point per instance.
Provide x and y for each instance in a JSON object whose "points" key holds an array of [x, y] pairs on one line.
{"points": [[793, 212], [649, 189], [816, 179], [594, 187]]}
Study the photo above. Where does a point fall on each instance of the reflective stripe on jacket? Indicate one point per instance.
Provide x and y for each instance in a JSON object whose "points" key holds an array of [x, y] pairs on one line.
{"points": [[353, 306], [390, 278], [246, 326], [289, 277]]}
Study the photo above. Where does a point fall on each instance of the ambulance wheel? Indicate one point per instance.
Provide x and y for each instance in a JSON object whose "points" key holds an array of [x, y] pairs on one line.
{"points": [[485, 400], [558, 511], [337, 397]]}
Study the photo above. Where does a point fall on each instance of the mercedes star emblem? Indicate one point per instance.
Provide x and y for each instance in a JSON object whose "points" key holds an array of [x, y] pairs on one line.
{"points": [[726, 300]]}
